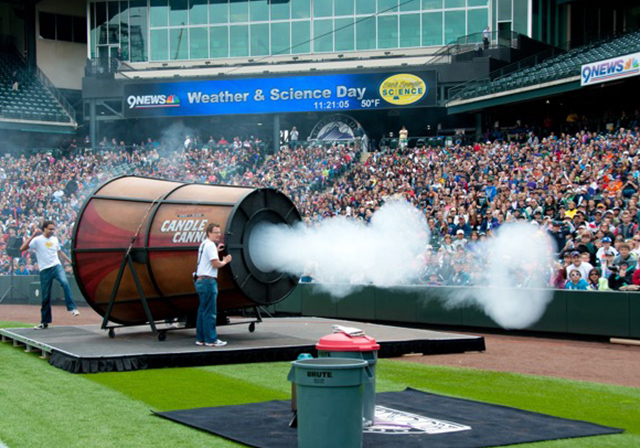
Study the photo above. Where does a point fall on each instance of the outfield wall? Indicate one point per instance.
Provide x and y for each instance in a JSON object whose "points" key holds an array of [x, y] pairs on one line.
{"points": [[26, 290], [600, 313]]}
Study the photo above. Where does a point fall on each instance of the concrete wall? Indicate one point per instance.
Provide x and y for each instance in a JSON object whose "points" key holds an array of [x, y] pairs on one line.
{"points": [[62, 62]]}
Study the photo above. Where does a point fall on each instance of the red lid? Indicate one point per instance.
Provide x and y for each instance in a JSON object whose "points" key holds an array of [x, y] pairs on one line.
{"points": [[340, 342]]}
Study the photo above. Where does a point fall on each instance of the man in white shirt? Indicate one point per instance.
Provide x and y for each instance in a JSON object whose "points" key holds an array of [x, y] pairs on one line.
{"points": [[207, 287], [293, 137], [579, 265], [47, 249], [486, 37]]}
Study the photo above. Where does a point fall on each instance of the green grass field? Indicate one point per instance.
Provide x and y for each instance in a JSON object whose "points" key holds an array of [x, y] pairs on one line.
{"points": [[41, 406]]}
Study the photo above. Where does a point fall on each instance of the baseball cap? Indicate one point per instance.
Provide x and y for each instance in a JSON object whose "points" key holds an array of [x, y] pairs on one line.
{"points": [[460, 231], [606, 239], [575, 253]]}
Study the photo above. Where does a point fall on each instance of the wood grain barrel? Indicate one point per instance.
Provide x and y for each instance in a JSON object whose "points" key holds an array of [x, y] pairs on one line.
{"points": [[161, 223]]}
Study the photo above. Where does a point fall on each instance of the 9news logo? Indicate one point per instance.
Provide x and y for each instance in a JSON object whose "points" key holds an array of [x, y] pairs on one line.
{"points": [[152, 101]]}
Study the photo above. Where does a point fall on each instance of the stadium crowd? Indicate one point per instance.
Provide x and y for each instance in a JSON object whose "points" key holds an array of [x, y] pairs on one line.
{"points": [[582, 189]]}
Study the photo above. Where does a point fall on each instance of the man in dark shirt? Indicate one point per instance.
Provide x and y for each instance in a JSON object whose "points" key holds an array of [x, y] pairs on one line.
{"points": [[559, 235]]}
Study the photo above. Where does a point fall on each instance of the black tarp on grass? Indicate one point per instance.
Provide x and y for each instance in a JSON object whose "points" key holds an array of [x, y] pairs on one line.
{"points": [[265, 425]]}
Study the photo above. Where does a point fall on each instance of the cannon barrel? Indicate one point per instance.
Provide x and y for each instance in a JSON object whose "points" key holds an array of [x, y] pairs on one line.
{"points": [[159, 225]]}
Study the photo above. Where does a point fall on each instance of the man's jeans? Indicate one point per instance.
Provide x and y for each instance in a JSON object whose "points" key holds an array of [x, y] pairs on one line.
{"points": [[207, 289], [46, 282]]}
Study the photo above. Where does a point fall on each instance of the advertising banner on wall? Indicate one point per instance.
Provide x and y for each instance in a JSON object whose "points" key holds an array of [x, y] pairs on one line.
{"points": [[314, 93], [610, 69]]}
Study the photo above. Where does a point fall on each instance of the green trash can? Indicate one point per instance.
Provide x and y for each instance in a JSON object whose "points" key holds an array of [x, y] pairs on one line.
{"points": [[329, 400], [341, 345]]}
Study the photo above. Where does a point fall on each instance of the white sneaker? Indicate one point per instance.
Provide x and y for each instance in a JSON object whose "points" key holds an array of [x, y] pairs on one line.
{"points": [[75, 313], [41, 327], [216, 343]]}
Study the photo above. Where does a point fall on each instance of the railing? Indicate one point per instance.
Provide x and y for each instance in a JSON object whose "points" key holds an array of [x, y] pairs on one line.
{"points": [[414, 142], [102, 67], [44, 117], [497, 39], [68, 108], [472, 42], [445, 52]]}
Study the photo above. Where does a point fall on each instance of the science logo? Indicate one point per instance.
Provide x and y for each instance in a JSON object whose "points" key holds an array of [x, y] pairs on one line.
{"points": [[152, 101], [610, 69], [403, 89]]}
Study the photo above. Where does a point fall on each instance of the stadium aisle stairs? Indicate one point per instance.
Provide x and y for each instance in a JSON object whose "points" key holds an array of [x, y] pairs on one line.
{"points": [[32, 101]]}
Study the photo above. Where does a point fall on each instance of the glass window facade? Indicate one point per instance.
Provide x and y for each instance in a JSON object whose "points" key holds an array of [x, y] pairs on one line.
{"points": [[166, 30], [345, 35]]}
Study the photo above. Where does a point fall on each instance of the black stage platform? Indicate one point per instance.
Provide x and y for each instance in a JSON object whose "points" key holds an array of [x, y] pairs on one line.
{"points": [[87, 349]]}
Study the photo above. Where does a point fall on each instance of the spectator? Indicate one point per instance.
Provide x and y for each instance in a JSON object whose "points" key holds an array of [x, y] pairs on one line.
{"points": [[626, 228], [460, 240], [585, 246], [626, 257], [596, 282], [579, 265], [621, 278], [460, 277], [576, 282], [486, 37], [559, 279], [448, 245], [15, 82], [635, 279], [404, 138], [634, 243], [605, 249], [607, 264], [293, 137], [559, 235]]}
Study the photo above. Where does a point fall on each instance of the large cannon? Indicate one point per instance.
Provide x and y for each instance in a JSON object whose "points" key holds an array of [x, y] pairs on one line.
{"points": [[135, 246]]}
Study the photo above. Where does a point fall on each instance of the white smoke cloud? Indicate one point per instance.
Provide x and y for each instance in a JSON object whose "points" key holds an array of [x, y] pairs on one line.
{"points": [[514, 289], [343, 255], [173, 137]]}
